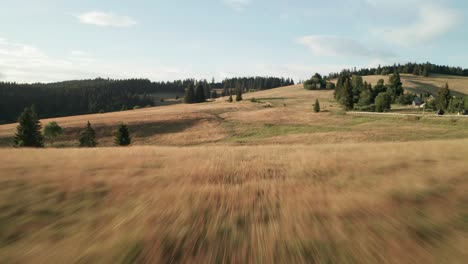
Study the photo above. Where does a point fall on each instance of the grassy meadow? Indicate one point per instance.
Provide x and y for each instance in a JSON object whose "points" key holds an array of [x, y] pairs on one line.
{"points": [[258, 181]]}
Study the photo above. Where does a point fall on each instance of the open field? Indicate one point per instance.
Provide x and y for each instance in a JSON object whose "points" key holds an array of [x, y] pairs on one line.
{"points": [[420, 84], [338, 203], [245, 182], [280, 116]]}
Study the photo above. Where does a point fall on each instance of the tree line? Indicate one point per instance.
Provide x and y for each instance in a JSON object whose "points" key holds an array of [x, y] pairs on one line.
{"points": [[420, 69], [106, 95]]}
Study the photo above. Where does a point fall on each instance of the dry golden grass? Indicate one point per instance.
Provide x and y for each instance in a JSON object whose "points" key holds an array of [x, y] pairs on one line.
{"points": [[338, 203], [419, 84]]}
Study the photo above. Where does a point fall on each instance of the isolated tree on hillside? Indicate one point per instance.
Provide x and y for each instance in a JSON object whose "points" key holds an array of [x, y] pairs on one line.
{"points": [[443, 98], [122, 136], [238, 95], [230, 96], [200, 93], [88, 137], [317, 106], [189, 94], [28, 131], [51, 131]]}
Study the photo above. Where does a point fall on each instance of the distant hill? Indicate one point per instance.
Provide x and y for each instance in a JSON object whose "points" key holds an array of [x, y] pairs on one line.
{"points": [[431, 84]]}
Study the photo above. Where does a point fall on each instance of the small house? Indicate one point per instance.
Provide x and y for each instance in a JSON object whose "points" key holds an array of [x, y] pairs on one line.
{"points": [[417, 102]]}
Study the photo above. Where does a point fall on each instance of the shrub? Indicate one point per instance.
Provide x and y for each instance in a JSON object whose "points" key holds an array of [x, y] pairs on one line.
{"points": [[383, 102], [52, 131]]}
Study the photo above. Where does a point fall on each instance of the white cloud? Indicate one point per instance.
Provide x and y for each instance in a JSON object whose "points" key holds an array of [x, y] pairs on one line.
{"points": [[25, 63], [337, 46], [433, 21], [237, 5], [105, 19]]}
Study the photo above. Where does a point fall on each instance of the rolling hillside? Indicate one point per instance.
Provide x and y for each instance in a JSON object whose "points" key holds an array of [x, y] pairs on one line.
{"points": [[419, 84]]}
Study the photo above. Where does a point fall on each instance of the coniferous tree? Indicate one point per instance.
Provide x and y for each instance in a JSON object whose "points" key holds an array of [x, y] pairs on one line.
{"points": [[443, 98], [189, 94], [357, 83], [317, 106], [238, 95], [200, 93], [230, 96], [88, 137], [122, 136], [347, 95], [395, 85], [28, 131]]}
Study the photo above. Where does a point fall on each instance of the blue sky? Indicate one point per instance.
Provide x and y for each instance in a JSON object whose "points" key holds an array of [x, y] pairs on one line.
{"points": [[53, 40]]}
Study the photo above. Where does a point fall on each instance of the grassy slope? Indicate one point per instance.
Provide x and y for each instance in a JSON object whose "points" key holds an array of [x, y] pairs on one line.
{"points": [[289, 195]]}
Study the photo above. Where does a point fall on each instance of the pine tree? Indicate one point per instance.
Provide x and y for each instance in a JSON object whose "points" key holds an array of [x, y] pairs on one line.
{"points": [[230, 96], [200, 93], [28, 131], [443, 98], [347, 95], [395, 85], [317, 106], [238, 95], [189, 94], [88, 137], [122, 136]]}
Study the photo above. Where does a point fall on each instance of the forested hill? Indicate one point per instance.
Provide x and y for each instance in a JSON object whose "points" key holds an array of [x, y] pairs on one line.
{"points": [[106, 95], [421, 69]]}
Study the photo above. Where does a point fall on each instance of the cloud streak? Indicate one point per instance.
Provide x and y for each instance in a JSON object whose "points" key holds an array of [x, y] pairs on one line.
{"points": [[337, 46], [104, 19], [433, 21], [26, 63], [238, 5]]}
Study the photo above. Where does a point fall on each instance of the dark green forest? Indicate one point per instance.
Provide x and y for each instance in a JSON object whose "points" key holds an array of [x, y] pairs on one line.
{"points": [[107, 95], [420, 69]]}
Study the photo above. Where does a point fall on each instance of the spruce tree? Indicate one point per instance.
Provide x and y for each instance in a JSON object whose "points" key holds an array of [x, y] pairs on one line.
{"points": [[122, 136], [200, 93], [347, 95], [230, 96], [238, 95], [395, 85], [443, 98], [28, 131], [88, 137], [317, 106], [189, 94]]}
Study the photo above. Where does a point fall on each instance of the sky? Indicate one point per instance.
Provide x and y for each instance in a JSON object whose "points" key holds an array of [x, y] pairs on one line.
{"points": [[56, 40]]}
